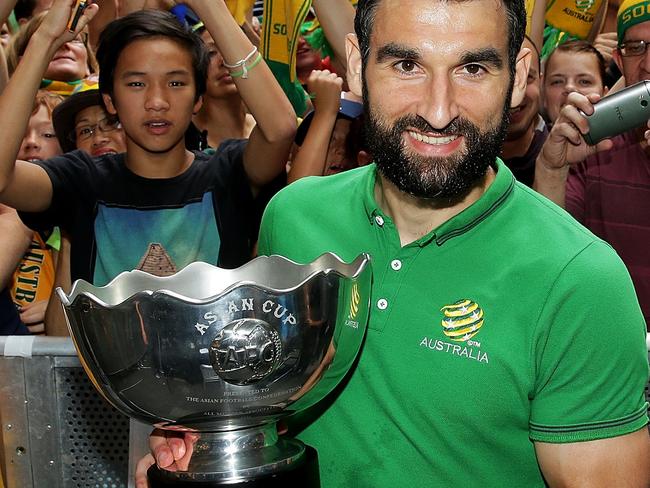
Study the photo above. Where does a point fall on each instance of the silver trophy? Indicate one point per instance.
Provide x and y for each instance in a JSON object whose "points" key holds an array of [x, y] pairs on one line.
{"points": [[225, 354]]}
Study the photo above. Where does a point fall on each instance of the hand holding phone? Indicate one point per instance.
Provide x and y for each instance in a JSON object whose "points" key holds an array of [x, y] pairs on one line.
{"points": [[77, 12], [619, 113]]}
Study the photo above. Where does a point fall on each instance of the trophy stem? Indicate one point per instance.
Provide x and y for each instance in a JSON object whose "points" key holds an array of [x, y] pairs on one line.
{"points": [[246, 457]]}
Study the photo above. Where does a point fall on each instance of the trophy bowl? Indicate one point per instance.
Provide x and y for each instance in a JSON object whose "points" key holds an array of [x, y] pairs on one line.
{"points": [[225, 354]]}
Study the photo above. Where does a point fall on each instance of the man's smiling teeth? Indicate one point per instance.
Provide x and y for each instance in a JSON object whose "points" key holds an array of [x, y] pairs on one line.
{"points": [[432, 139]]}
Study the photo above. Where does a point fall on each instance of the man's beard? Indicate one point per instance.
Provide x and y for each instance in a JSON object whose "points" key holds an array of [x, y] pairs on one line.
{"points": [[442, 180]]}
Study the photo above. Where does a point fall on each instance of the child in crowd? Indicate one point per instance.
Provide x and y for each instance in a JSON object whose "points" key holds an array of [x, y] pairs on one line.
{"points": [[158, 206], [572, 66], [33, 279], [329, 140]]}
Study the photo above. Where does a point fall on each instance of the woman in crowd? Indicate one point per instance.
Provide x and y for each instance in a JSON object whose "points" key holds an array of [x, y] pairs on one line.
{"points": [[70, 65], [81, 122]]}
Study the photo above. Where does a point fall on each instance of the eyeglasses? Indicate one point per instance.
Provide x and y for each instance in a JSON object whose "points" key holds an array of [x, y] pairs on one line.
{"points": [[85, 132], [633, 48]]}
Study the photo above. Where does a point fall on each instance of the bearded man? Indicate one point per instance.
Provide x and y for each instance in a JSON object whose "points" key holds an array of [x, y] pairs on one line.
{"points": [[494, 355]]}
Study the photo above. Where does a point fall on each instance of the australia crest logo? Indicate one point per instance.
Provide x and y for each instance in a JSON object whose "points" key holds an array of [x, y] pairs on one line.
{"points": [[462, 320]]}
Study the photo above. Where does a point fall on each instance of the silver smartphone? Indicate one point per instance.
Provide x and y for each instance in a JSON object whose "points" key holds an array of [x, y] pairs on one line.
{"points": [[619, 112]]}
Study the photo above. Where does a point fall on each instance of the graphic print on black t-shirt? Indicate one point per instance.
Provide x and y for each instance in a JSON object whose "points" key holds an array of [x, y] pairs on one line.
{"points": [[158, 241]]}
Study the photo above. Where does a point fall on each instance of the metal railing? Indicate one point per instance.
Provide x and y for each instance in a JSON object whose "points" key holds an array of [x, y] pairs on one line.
{"points": [[57, 431]]}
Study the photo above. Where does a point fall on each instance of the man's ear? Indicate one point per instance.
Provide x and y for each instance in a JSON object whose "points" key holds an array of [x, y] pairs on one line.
{"points": [[353, 74], [521, 76], [108, 103], [618, 59]]}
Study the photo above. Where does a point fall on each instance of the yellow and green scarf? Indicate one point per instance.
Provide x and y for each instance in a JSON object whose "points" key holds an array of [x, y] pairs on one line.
{"points": [[280, 30], [239, 9], [67, 88], [281, 26], [631, 12], [567, 20]]}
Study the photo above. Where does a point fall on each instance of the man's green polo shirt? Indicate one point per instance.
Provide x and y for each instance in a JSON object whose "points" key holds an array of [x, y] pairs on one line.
{"points": [[509, 323]]}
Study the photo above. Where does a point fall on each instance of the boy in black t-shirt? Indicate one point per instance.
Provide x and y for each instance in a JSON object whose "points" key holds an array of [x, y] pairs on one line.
{"points": [[157, 207]]}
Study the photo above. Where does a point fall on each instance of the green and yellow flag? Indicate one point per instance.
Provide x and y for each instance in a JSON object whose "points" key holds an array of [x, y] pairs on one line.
{"points": [[239, 9], [280, 31], [569, 19]]}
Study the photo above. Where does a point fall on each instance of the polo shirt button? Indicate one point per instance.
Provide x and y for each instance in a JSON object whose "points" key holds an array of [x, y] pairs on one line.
{"points": [[382, 304], [380, 220], [396, 264]]}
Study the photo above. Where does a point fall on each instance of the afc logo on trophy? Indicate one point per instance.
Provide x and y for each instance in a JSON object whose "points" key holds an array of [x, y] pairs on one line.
{"points": [[246, 350]]}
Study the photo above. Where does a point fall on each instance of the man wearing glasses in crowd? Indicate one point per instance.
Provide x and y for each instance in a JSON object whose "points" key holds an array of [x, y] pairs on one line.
{"points": [[607, 186]]}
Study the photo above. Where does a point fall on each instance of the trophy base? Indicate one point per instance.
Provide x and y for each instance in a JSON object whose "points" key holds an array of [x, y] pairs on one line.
{"points": [[303, 472]]}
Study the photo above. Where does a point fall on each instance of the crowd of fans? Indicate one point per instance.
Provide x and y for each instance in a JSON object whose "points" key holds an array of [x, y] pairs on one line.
{"points": [[69, 113]]}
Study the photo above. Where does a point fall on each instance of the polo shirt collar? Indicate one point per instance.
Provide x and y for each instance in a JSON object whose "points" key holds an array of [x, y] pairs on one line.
{"points": [[496, 194]]}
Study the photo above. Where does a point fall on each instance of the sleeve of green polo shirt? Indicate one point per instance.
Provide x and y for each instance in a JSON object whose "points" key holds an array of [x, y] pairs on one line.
{"points": [[264, 242], [590, 356]]}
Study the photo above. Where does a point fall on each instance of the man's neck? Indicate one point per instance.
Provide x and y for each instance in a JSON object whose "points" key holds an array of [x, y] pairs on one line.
{"points": [[518, 147], [158, 165], [415, 217]]}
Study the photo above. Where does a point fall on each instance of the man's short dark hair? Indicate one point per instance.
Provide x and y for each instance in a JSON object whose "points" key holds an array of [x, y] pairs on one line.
{"points": [[515, 11], [148, 24]]}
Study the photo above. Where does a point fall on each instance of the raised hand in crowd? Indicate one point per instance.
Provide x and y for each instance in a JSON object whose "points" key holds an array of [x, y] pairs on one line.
{"points": [[606, 43], [565, 146], [18, 98], [325, 90], [270, 140], [5, 11], [55, 24]]}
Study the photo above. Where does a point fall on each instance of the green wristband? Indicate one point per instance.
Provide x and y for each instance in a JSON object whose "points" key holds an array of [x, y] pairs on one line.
{"points": [[243, 73]]}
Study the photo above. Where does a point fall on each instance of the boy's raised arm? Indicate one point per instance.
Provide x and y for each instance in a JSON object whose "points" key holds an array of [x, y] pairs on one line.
{"points": [[23, 185], [270, 141]]}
